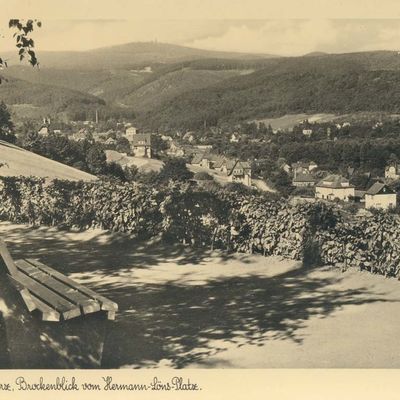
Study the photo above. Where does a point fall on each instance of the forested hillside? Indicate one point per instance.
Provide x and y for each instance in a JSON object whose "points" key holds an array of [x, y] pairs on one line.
{"points": [[174, 87], [307, 85]]}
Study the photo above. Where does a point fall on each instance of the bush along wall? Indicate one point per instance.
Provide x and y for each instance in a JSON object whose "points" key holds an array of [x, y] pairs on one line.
{"points": [[313, 232], [368, 243], [79, 205], [268, 228]]}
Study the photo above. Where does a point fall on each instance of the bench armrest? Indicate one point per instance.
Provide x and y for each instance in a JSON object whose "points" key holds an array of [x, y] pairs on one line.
{"points": [[6, 256]]}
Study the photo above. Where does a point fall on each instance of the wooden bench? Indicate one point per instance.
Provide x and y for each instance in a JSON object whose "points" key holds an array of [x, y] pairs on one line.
{"points": [[55, 296]]}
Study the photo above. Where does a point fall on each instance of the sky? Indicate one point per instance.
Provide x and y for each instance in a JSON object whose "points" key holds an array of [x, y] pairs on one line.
{"points": [[284, 27], [272, 36]]}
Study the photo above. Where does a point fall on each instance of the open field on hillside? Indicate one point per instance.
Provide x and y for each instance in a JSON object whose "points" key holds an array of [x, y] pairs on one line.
{"points": [[290, 120], [182, 307], [144, 164], [22, 162]]}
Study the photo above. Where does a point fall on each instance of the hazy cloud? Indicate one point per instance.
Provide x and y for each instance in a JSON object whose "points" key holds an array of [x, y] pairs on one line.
{"points": [[275, 36], [296, 37]]}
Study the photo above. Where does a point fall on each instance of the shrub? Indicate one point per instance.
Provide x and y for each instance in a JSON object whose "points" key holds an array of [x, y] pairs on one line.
{"points": [[303, 191], [239, 188], [351, 208], [174, 169], [202, 176]]}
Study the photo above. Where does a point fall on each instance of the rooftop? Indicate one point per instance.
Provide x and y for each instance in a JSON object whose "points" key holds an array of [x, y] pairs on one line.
{"points": [[141, 139], [335, 182], [379, 188], [304, 178]]}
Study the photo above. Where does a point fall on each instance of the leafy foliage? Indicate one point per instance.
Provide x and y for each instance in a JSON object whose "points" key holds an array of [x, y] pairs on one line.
{"points": [[24, 43], [174, 169], [202, 176], [96, 159], [315, 233], [6, 125]]}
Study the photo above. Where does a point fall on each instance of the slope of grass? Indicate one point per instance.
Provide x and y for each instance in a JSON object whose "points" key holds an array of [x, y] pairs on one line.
{"points": [[22, 162]]}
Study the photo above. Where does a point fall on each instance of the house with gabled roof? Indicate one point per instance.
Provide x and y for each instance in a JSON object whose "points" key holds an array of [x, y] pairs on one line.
{"points": [[207, 160], [130, 132], [81, 135], [226, 165], [334, 187], [175, 149], [286, 167], [110, 142], [189, 136], [234, 137], [303, 167], [240, 172], [380, 195], [303, 180], [392, 170], [44, 130], [141, 145]]}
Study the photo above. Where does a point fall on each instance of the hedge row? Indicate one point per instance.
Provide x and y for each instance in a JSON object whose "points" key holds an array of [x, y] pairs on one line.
{"points": [[244, 223], [368, 243], [78, 205]]}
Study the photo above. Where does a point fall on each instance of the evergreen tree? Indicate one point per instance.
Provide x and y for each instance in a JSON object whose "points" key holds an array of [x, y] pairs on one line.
{"points": [[175, 169], [96, 160], [6, 125]]}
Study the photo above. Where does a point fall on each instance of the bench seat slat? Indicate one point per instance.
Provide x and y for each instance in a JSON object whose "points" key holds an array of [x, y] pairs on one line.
{"points": [[64, 307], [106, 304], [87, 304], [48, 313], [33, 303]]}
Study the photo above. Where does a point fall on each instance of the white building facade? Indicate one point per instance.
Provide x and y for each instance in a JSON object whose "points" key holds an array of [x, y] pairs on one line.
{"points": [[334, 187], [380, 196]]}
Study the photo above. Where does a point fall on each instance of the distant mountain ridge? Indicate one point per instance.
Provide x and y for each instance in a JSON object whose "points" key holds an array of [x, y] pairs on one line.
{"points": [[129, 55]]}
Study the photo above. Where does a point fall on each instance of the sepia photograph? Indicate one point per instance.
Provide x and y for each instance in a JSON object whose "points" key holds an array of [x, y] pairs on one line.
{"points": [[199, 193]]}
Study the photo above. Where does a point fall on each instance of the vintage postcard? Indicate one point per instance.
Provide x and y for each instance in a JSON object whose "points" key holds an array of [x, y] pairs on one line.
{"points": [[199, 199]]}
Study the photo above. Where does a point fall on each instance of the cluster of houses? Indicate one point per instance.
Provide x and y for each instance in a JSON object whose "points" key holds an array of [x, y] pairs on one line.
{"points": [[335, 187], [379, 195], [140, 143], [237, 171], [328, 187]]}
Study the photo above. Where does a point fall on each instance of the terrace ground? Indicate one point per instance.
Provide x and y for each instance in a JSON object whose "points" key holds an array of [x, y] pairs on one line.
{"points": [[182, 307]]}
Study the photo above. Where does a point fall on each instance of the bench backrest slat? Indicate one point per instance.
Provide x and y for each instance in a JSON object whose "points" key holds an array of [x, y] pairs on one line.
{"points": [[8, 261]]}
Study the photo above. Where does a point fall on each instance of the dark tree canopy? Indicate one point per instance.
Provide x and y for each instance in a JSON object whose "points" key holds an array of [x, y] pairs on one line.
{"points": [[6, 125], [96, 160], [175, 169]]}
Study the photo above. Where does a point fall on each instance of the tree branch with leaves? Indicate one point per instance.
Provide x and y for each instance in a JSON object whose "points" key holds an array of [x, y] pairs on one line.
{"points": [[24, 42]]}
